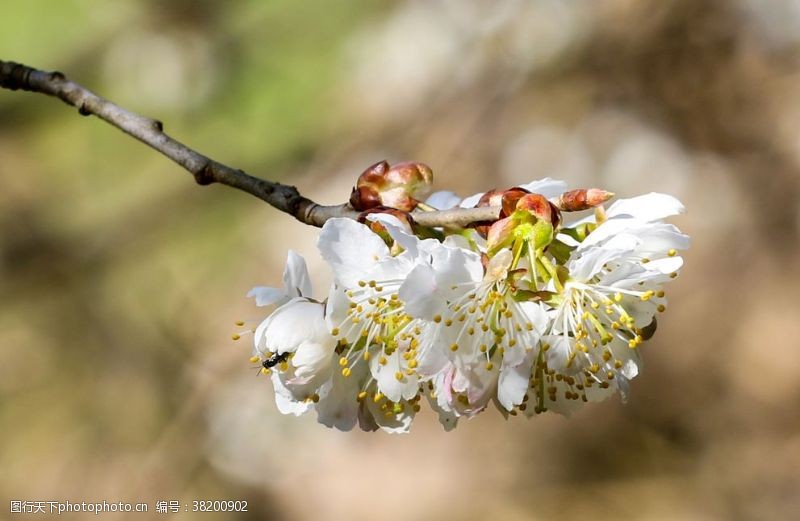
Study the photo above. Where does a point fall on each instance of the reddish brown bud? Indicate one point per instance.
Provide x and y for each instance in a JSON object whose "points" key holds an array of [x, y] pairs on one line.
{"points": [[398, 187], [418, 177], [364, 197], [491, 198], [540, 207], [510, 198], [582, 199]]}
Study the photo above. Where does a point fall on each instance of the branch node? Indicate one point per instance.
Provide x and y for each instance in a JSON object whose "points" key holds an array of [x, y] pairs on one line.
{"points": [[158, 125], [83, 110], [204, 176], [57, 76]]}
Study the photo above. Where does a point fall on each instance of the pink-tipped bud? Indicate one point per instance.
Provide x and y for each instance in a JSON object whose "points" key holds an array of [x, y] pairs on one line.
{"points": [[537, 205], [500, 233], [540, 207], [582, 199], [400, 186]]}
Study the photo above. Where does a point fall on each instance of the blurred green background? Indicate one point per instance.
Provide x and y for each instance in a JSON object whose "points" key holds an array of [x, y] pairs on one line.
{"points": [[120, 279]]}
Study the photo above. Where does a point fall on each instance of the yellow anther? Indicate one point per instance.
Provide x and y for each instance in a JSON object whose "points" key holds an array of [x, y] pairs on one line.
{"points": [[483, 348], [235, 336], [512, 342], [255, 359], [398, 376], [412, 363], [471, 331], [362, 283], [346, 372], [283, 366], [265, 371], [315, 398], [398, 408], [545, 347], [448, 322], [335, 331], [382, 360], [672, 252], [361, 396], [343, 361], [416, 407], [673, 274], [595, 305], [661, 308], [660, 294], [367, 356], [645, 260], [489, 366], [454, 347], [617, 297], [240, 323], [437, 318], [377, 397], [484, 327]]}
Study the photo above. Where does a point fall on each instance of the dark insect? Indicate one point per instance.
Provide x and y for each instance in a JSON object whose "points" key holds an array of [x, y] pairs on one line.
{"points": [[274, 360]]}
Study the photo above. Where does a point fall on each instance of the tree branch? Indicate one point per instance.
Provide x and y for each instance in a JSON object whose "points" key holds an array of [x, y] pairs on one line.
{"points": [[205, 170]]}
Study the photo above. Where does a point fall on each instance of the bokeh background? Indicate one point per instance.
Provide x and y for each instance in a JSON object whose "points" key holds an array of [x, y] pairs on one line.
{"points": [[120, 279]]}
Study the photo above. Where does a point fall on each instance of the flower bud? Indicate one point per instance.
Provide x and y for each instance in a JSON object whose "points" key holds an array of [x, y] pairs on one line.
{"points": [[582, 199], [399, 186], [500, 234], [538, 206]]}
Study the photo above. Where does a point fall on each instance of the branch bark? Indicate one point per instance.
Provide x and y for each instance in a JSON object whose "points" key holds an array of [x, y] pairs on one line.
{"points": [[15, 76]]}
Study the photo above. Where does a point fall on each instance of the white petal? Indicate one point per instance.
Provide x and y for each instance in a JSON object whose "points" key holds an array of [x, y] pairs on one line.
{"points": [[351, 249], [547, 187], [648, 207], [295, 276], [590, 262], [297, 321], [443, 200], [471, 201], [513, 383], [286, 402], [419, 294], [498, 265], [385, 375], [313, 360], [265, 295]]}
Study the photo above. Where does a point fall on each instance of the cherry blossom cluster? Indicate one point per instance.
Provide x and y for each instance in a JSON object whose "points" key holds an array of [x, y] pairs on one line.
{"points": [[532, 312]]}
